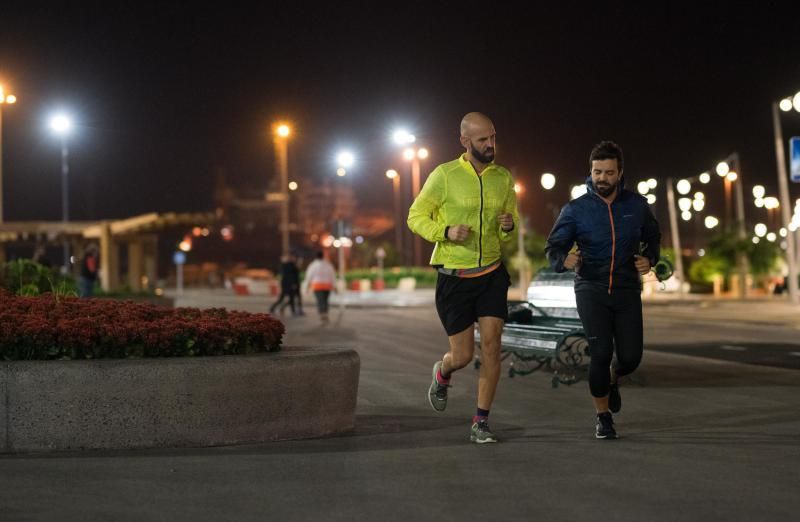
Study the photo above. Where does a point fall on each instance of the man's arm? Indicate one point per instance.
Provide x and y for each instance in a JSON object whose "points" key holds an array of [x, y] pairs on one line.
{"points": [[561, 239], [509, 219], [424, 208], [651, 237]]}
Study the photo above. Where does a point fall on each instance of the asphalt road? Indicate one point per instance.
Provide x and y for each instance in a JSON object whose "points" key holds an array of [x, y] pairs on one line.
{"points": [[702, 438]]}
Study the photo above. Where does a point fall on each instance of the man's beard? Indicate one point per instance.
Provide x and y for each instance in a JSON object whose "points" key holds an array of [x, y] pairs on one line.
{"points": [[605, 190], [485, 157]]}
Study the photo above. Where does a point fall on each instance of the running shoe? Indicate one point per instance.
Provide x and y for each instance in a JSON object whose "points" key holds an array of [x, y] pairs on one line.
{"points": [[437, 393], [605, 426], [481, 433]]}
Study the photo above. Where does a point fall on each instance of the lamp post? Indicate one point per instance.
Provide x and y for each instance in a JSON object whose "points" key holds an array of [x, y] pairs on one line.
{"points": [[684, 186], [414, 155], [282, 132], [398, 231], [783, 187], [345, 160], [734, 176], [4, 99], [62, 126]]}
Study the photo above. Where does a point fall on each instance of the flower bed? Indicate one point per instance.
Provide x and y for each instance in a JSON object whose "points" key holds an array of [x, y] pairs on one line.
{"points": [[44, 327]]}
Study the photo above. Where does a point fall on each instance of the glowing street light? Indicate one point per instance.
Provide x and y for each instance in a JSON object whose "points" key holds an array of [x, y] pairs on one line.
{"points": [[731, 176], [760, 229], [577, 191], [548, 181], [698, 205], [5, 99], [642, 187], [281, 142], [759, 191], [398, 230], [722, 169], [61, 125], [771, 237], [705, 178], [684, 204], [651, 199], [686, 215], [711, 222], [345, 159], [684, 187], [786, 104], [292, 185], [341, 172], [403, 137], [652, 183]]}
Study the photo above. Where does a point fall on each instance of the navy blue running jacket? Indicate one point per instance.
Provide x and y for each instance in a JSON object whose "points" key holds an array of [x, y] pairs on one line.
{"points": [[607, 236]]}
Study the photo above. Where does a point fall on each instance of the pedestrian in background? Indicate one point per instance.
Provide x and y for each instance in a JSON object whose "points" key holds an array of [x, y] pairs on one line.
{"points": [[290, 281], [89, 268], [320, 278]]}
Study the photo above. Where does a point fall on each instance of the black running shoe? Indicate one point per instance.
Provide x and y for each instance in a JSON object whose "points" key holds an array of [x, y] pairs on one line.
{"points": [[614, 398], [605, 426]]}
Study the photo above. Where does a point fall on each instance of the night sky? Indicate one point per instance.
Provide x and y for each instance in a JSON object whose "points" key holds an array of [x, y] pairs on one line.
{"points": [[165, 97]]}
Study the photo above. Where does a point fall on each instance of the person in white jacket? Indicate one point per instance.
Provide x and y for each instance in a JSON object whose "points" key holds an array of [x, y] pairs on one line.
{"points": [[320, 278]]}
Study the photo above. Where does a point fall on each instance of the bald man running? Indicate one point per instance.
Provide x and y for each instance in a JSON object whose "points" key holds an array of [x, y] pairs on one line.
{"points": [[468, 207]]}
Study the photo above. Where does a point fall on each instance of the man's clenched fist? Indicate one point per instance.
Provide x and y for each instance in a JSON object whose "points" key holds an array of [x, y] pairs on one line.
{"points": [[458, 233]]}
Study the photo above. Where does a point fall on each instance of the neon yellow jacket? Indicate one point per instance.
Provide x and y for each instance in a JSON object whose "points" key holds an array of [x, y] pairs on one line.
{"points": [[454, 194]]}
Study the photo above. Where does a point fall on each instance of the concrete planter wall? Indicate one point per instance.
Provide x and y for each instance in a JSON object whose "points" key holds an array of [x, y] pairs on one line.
{"points": [[204, 401]]}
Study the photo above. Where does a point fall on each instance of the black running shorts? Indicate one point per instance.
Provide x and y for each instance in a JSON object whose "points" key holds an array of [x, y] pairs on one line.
{"points": [[460, 301]]}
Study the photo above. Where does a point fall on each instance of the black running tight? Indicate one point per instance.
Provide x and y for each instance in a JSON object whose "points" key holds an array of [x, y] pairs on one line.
{"points": [[611, 321]]}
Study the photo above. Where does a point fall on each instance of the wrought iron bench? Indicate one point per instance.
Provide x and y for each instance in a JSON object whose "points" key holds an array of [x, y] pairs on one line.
{"points": [[545, 332]]}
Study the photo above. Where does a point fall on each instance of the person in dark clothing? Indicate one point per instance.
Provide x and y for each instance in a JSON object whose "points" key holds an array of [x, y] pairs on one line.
{"points": [[89, 267], [290, 282], [617, 240]]}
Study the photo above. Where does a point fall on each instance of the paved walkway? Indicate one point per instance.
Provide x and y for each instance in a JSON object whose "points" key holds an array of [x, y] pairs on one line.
{"points": [[702, 439]]}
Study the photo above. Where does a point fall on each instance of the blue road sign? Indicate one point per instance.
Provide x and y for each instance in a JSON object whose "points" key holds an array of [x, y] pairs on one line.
{"points": [[179, 258], [794, 148]]}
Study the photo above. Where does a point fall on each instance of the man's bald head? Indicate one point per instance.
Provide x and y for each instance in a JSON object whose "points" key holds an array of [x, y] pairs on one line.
{"points": [[478, 137], [475, 122]]}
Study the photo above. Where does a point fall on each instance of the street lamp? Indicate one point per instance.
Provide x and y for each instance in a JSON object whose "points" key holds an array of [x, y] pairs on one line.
{"points": [[548, 181], [61, 125], [734, 175], [4, 99], [398, 232], [414, 155], [345, 159], [282, 132], [786, 105], [523, 260]]}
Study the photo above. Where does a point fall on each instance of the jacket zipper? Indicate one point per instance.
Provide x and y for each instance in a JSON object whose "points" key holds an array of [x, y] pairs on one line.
{"points": [[613, 248], [480, 232]]}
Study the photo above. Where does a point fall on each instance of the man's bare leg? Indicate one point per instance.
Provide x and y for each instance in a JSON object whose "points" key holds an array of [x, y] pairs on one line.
{"points": [[462, 349], [491, 331]]}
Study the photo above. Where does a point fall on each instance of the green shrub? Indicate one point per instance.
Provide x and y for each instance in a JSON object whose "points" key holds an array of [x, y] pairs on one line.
{"points": [[25, 277]]}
